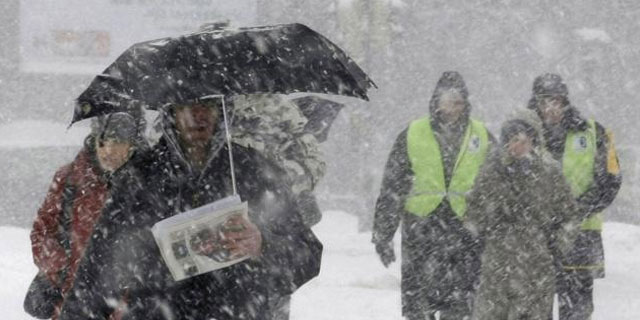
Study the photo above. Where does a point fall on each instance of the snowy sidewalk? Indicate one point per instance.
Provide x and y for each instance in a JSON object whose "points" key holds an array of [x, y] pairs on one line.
{"points": [[353, 285]]}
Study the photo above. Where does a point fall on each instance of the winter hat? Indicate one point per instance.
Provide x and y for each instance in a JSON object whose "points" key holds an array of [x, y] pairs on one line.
{"points": [[512, 128], [118, 126], [550, 84]]}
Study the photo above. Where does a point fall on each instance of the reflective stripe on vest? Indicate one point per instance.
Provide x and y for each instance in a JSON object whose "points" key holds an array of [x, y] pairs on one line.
{"points": [[578, 166], [428, 189]]}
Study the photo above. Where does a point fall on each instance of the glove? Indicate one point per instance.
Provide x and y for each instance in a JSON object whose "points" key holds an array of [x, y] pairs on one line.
{"points": [[386, 253]]}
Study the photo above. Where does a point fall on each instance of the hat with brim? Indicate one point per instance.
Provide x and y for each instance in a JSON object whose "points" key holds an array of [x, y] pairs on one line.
{"points": [[120, 127]]}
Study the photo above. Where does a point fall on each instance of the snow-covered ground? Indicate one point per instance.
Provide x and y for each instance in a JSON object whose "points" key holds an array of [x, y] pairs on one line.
{"points": [[353, 284]]}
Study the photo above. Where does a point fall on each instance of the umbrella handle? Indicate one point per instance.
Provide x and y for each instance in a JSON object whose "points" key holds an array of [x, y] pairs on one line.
{"points": [[228, 137]]}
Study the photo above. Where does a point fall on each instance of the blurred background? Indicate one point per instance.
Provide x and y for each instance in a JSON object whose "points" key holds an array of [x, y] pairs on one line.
{"points": [[51, 50]]}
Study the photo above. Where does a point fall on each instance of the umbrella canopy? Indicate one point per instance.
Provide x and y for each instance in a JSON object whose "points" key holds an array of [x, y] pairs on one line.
{"points": [[276, 59], [320, 114]]}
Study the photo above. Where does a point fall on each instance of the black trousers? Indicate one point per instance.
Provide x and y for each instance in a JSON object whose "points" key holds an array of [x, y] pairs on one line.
{"points": [[575, 295]]}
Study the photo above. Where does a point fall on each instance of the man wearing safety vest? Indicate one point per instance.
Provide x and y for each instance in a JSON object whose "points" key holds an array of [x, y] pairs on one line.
{"points": [[589, 162], [432, 166]]}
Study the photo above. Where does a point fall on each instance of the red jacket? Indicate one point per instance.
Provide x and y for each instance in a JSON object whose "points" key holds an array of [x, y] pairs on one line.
{"points": [[89, 192]]}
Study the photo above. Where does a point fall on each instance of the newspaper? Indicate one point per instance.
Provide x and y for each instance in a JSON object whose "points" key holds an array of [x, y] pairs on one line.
{"points": [[189, 241]]}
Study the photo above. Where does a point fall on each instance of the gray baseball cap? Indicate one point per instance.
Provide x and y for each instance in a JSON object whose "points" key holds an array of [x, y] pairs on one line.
{"points": [[118, 126]]}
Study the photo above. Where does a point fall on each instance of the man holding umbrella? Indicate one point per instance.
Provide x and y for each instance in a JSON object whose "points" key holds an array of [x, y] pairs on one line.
{"points": [[188, 168], [432, 165], [195, 163]]}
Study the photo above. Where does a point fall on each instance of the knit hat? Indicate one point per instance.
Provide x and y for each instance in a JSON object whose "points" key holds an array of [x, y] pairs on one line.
{"points": [[550, 84], [512, 128]]}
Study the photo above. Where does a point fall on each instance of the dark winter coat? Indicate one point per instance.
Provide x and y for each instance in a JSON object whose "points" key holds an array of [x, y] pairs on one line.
{"points": [[439, 257], [523, 217], [124, 261], [588, 252]]}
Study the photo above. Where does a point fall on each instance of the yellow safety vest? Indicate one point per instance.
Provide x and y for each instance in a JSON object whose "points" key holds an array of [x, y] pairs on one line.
{"points": [[429, 189], [578, 166]]}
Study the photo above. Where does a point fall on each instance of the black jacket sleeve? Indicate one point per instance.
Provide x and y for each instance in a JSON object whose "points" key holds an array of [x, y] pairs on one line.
{"points": [[87, 299], [291, 253], [396, 186], [607, 180], [116, 239]]}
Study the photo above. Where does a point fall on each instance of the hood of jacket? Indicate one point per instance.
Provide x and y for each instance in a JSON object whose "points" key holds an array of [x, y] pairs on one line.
{"points": [[450, 80], [167, 125]]}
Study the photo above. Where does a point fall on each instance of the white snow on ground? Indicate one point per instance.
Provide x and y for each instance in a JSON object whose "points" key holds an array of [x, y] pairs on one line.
{"points": [[353, 284], [618, 295], [36, 133], [16, 271]]}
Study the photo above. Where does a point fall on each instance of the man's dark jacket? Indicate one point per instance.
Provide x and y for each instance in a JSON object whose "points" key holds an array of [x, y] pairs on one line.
{"points": [[123, 262]]}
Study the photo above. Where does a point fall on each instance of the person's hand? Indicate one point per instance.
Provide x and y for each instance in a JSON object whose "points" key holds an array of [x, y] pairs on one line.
{"points": [[206, 242], [386, 253], [241, 237]]}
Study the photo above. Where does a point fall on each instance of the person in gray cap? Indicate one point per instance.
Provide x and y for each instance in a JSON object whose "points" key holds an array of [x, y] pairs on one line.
{"points": [[116, 140], [73, 205]]}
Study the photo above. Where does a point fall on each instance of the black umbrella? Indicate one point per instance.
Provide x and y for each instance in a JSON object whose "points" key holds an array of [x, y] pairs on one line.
{"points": [[277, 59], [320, 114]]}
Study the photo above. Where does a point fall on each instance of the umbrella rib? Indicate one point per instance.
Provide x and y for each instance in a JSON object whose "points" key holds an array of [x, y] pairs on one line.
{"points": [[228, 137]]}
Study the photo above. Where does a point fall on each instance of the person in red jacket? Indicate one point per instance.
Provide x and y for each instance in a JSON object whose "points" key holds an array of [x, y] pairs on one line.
{"points": [[76, 198]]}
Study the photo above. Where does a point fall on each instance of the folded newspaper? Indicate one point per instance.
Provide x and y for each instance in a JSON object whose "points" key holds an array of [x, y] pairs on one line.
{"points": [[190, 241]]}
